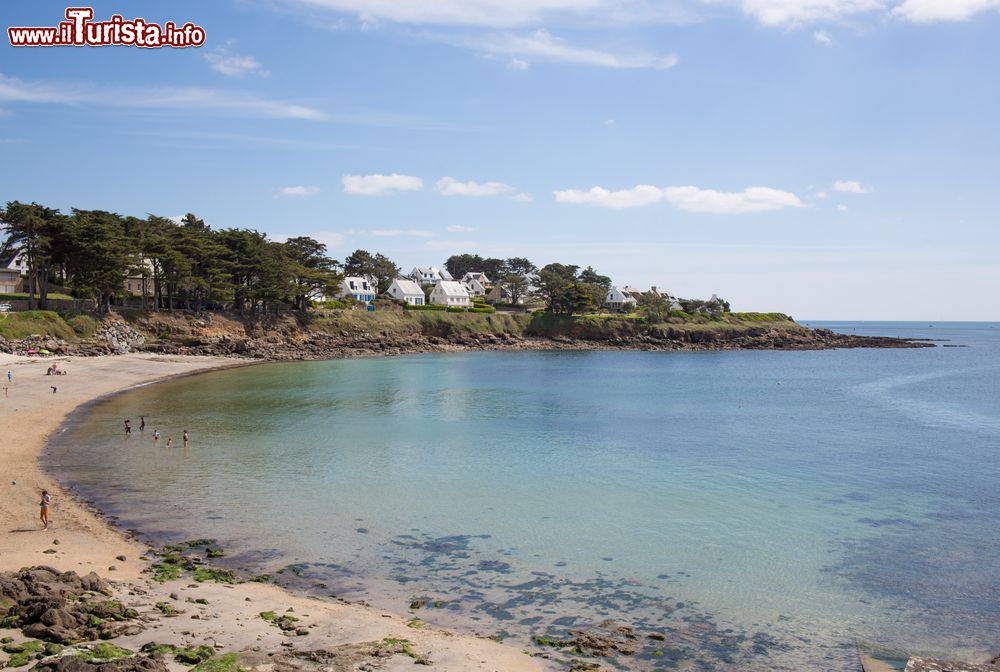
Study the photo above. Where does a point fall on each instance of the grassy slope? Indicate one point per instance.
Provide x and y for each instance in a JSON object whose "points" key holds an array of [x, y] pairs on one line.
{"points": [[179, 326], [34, 322]]}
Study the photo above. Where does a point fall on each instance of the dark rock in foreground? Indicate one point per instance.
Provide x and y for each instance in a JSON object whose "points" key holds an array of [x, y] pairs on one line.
{"points": [[933, 665], [62, 607]]}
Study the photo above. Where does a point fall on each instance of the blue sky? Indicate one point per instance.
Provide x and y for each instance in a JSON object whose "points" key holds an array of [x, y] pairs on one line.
{"points": [[830, 158]]}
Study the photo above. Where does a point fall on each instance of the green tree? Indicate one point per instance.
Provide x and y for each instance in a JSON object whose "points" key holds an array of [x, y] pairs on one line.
{"points": [[514, 278], [37, 232], [555, 282], [313, 273], [378, 266], [460, 264], [99, 255]]}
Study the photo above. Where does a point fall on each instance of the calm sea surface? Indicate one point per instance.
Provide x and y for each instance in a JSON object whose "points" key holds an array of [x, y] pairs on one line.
{"points": [[761, 510]]}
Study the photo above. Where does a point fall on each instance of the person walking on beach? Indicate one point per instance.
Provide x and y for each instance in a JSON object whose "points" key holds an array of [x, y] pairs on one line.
{"points": [[184, 438], [156, 436], [170, 442], [44, 505], [10, 376], [128, 427], [142, 423]]}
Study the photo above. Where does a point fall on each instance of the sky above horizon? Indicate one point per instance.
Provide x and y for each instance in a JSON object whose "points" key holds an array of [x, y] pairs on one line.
{"points": [[832, 159]]}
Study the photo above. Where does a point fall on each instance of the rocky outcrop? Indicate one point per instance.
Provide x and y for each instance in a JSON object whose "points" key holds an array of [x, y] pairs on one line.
{"points": [[62, 607], [121, 337], [916, 664], [298, 337], [78, 664]]}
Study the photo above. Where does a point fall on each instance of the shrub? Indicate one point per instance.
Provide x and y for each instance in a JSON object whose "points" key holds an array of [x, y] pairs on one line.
{"points": [[483, 309], [334, 305], [83, 325], [426, 307], [455, 309], [762, 317]]}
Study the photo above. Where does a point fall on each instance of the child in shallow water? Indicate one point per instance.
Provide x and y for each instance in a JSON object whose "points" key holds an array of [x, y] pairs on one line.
{"points": [[170, 442]]}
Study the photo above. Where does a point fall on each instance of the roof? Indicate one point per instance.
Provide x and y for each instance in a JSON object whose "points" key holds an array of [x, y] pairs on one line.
{"points": [[617, 295], [360, 281], [475, 275], [432, 271], [408, 286], [451, 288]]}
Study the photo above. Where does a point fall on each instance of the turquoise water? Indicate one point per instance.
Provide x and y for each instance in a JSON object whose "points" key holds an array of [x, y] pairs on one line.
{"points": [[762, 510]]}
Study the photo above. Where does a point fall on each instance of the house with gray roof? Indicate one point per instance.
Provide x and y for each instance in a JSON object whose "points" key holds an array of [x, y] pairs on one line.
{"points": [[404, 289]]}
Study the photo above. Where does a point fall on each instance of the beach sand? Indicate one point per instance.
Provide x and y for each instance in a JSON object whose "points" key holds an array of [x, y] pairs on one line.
{"points": [[30, 412]]}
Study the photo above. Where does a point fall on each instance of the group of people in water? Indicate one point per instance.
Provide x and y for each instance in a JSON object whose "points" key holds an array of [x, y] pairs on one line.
{"points": [[156, 433]]}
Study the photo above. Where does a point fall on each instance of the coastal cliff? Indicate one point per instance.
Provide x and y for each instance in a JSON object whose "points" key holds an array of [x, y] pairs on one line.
{"points": [[335, 334]]}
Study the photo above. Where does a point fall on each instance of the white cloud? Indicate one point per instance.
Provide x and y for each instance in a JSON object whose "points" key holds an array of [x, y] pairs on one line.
{"points": [[823, 37], [822, 195], [393, 233], [610, 123], [299, 191], [182, 99], [842, 208], [379, 185], [458, 228], [928, 11], [449, 186], [751, 199], [543, 46], [642, 194], [224, 61], [689, 199], [801, 12], [523, 197], [517, 64], [850, 187], [504, 13]]}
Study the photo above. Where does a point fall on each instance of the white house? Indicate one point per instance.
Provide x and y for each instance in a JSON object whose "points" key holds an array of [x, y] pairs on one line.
{"points": [[12, 268], [474, 286], [429, 275], [406, 290], [619, 300], [136, 284], [450, 293], [358, 288], [478, 277]]}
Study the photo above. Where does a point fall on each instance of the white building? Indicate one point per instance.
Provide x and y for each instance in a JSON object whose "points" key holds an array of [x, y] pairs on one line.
{"points": [[12, 268], [450, 293], [406, 290], [474, 286], [358, 288], [478, 277], [619, 300], [429, 275]]}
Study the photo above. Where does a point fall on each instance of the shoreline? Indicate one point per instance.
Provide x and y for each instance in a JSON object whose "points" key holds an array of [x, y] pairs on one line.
{"points": [[81, 539]]}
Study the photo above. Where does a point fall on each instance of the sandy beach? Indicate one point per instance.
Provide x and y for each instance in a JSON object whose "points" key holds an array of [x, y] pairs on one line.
{"points": [[225, 617]]}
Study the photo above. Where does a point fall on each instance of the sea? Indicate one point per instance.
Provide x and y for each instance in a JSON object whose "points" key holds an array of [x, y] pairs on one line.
{"points": [[751, 510]]}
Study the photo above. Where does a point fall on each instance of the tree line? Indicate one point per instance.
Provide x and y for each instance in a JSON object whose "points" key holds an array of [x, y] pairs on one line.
{"points": [[186, 264]]}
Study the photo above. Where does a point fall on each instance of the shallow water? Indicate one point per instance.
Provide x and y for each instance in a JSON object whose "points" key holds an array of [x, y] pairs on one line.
{"points": [[763, 510]]}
